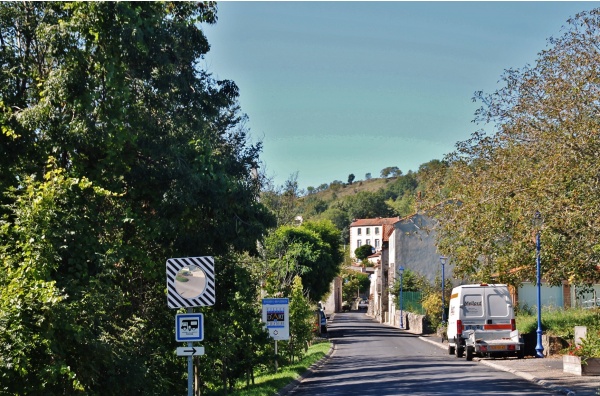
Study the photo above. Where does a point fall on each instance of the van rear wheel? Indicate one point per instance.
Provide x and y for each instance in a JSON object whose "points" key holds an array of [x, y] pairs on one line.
{"points": [[460, 351], [451, 349], [469, 353]]}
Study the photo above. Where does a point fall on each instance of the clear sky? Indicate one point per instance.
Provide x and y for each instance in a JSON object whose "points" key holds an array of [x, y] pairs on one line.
{"points": [[334, 88]]}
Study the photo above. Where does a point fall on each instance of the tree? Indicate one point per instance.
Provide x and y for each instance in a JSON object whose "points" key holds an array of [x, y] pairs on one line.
{"points": [[119, 152], [311, 251], [368, 176], [282, 201], [301, 321], [351, 178], [233, 327], [354, 283], [391, 170], [542, 156], [367, 204], [363, 252]]}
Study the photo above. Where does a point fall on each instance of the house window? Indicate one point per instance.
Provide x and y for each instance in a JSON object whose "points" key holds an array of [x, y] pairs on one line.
{"points": [[376, 243], [376, 230], [368, 241], [368, 231], [358, 243], [358, 231]]}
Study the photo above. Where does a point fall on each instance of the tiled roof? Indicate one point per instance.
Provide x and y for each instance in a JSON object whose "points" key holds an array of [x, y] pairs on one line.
{"points": [[388, 229], [379, 221]]}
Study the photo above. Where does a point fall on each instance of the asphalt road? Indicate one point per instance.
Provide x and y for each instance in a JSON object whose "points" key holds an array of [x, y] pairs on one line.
{"points": [[375, 359]]}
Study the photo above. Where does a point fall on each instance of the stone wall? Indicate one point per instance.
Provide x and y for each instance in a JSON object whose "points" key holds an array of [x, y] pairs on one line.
{"points": [[412, 322]]}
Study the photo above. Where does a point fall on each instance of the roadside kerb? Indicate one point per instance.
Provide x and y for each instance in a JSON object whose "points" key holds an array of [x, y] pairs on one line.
{"points": [[528, 377]]}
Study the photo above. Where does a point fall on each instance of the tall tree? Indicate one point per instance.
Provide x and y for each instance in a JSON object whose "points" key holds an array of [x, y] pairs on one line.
{"points": [[118, 152], [542, 157], [311, 251]]}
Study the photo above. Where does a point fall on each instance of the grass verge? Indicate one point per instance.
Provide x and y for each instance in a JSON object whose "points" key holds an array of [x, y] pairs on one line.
{"points": [[270, 383], [559, 322]]}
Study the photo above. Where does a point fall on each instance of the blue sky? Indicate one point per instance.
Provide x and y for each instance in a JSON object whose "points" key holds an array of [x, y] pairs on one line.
{"points": [[334, 88]]}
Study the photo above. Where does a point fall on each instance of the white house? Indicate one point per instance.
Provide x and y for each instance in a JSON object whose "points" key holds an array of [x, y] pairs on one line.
{"points": [[408, 242], [369, 232]]}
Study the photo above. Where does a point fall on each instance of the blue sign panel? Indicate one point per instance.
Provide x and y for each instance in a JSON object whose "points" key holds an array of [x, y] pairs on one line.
{"points": [[189, 327]]}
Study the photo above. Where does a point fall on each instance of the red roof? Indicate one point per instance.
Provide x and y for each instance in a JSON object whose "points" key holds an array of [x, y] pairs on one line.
{"points": [[379, 221], [388, 229]]}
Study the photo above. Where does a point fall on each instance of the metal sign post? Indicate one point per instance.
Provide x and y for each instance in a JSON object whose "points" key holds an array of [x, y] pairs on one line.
{"points": [[190, 367], [190, 283]]}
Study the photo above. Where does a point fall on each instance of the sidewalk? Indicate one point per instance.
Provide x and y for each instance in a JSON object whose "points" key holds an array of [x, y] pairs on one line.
{"points": [[547, 372]]}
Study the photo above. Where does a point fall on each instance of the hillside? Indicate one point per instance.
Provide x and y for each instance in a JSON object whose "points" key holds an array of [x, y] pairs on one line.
{"points": [[342, 191]]}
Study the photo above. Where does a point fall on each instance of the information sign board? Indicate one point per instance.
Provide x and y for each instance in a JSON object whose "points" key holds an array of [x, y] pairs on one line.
{"points": [[276, 316]]}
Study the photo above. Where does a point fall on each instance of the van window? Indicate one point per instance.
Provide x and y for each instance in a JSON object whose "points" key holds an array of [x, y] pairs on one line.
{"points": [[472, 305], [497, 305]]}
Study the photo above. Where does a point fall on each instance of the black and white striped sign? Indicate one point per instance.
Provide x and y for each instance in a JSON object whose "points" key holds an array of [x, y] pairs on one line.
{"points": [[190, 282]]}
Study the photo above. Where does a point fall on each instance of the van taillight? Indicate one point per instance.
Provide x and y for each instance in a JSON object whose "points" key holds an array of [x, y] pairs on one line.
{"points": [[513, 325], [459, 328]]}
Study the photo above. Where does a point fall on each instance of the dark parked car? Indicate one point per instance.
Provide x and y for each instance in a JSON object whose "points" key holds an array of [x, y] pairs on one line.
{"points": [[345, 306]]}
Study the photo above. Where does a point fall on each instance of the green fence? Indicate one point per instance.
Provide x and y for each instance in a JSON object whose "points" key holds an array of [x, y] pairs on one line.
{"points": [[411, 302]]}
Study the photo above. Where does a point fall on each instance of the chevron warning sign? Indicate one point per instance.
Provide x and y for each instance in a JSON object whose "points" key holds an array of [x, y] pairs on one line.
{"points": [[190, 282]]}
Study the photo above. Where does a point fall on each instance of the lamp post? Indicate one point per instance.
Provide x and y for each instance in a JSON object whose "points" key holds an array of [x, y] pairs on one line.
{"points": [[401, 271], [443, 260], [537, 222]]}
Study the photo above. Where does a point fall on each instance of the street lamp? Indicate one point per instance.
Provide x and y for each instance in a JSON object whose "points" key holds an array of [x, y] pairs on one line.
{"points": [[401, 271], [443, 260], [537, 223]]}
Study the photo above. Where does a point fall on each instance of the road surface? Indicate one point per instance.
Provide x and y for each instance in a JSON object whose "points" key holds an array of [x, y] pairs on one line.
{"points": [[375, 359]]}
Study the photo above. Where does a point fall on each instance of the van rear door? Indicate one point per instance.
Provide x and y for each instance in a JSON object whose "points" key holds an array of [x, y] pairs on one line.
{"points": [[473, 308], [499, 308]]}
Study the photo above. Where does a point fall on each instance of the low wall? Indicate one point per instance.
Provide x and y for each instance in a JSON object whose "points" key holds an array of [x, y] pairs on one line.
{"points": [[413, 323]]}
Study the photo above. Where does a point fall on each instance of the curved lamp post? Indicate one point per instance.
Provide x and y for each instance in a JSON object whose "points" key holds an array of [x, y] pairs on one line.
{"points": [[537, 223], [443, 260], [401, 271]]}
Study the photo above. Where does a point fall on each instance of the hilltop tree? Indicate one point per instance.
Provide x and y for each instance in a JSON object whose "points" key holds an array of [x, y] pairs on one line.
{"points": [[351, 178], [391, 171]]}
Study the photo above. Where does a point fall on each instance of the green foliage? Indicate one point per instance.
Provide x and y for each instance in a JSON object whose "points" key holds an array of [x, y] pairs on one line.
{"points": [[269, 383], [238, 341], [391, 171], [432, 304], [366, 204], [539, 155], [559, 322], [354, 284], [588, 348], [363, 252], [302, 318], [411, 281], [311, 250], [118, 153]]}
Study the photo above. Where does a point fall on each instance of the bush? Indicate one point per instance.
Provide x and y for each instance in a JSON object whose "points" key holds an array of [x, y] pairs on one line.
{"points": [[432, 304]]}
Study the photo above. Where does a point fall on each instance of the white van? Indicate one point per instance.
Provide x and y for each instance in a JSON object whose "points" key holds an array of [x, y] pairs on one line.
{"points": [[481, 322]]}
